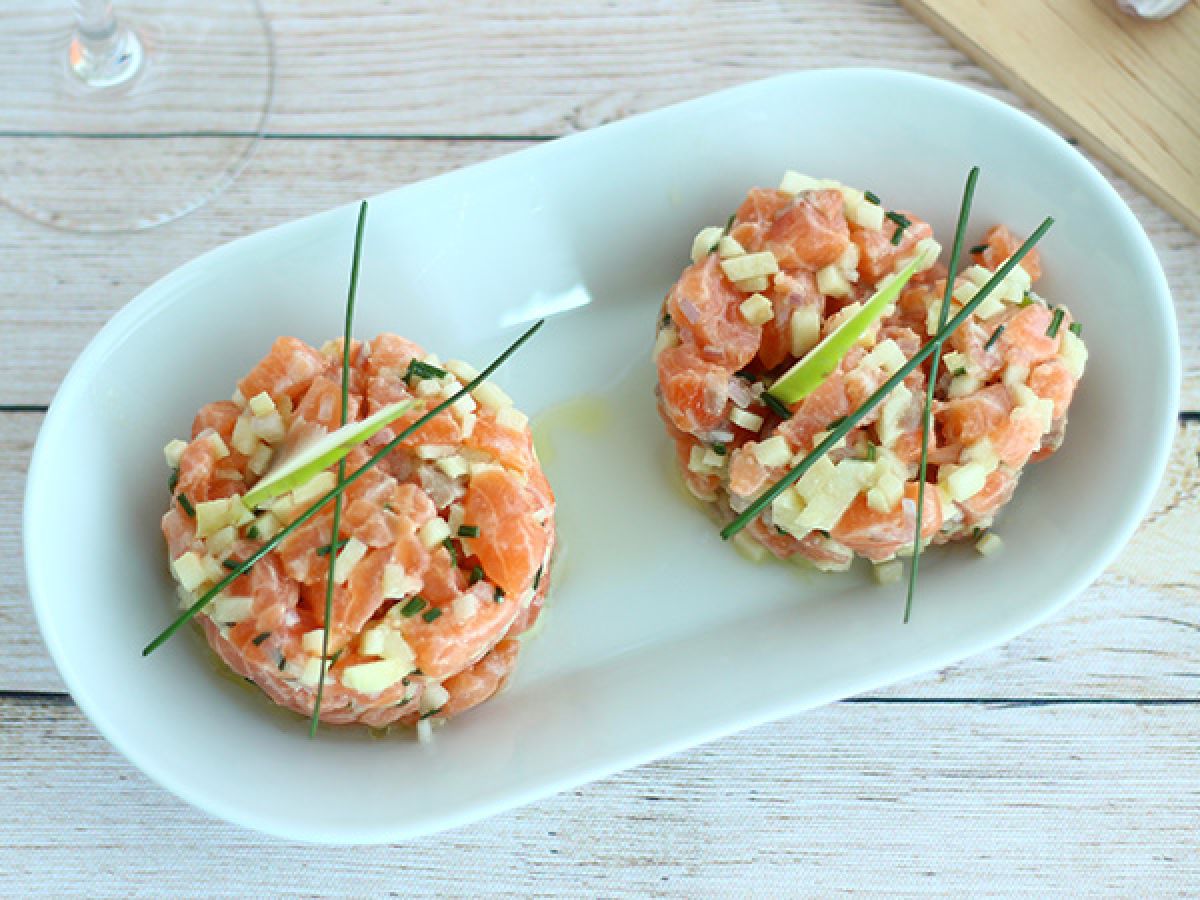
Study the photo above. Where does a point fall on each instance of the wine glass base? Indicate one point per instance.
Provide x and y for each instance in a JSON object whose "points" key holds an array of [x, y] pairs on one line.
{"points": [[161, 133]]}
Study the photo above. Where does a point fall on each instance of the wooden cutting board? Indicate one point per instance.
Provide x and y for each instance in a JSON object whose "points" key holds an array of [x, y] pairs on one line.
{"points": [[1126, 88]]}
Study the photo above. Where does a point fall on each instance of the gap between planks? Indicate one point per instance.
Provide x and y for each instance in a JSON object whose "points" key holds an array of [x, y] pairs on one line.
{"points": [[61, 698]]}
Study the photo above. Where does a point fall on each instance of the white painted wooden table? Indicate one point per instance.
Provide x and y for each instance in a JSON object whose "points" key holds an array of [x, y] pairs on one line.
{"points": [[1063, 763]]}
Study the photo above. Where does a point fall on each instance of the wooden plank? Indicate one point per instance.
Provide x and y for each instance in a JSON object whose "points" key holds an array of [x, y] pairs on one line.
{"points": [[1126, 88], [896, 799], [1131, 635], [531, 67], [60, 288]]}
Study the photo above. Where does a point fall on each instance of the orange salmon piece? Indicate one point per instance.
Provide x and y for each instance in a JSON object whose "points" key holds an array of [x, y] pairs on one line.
{"points": [[879, 535], [1024, 339], [999, 244], [695, 393], [481, 681], [791, 292], [506, 446], [811, 233], [814, 413], [704, 306], [322, 403], [512, 543], [390, 356], [1051, 381], [447, 645], [286, 371], [966, 420], [220, 417], [877, 255], [996, 491]]}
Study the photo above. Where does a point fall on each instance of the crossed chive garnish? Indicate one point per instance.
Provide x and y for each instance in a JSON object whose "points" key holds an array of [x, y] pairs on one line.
{"points": [[964, 213], [847, 423], [343, 483], [332, 550]]}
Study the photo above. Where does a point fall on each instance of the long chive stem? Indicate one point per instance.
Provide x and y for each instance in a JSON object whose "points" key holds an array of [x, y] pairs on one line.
{"points": [[351, 296], [338, 490], [960, 231], [835, 435]]}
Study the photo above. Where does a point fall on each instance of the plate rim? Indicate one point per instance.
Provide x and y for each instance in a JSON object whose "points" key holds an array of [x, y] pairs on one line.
{"points": [[148, 300]]}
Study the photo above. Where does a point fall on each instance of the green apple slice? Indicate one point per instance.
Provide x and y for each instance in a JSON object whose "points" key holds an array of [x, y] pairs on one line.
{"points": [[822, 360], [314, 457]]}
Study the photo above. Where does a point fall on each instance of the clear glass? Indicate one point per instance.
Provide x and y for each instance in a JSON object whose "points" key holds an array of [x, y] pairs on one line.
{"points": [[121, 116]]}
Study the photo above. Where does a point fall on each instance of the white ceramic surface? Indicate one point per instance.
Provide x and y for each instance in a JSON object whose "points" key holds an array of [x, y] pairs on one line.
{"points": [[658, 636]]}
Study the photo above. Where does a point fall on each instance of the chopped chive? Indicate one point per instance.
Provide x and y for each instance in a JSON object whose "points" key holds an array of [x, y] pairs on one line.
{"points": [[537, 577], [448, 543], [344, 484], [898, 217], [836, 423], [872, 197], [419, 369], [897, 236], [431, 614], [724, 233], [412, 607], [976, 532], [173, 480], [995, 337], [326, 549], [258, 640], [979, 248], [187, 505], [499, 598], [959, 371], [338, 655], [746, 375], [230, 564], [282, 662], [1026, 300], [666, 319], [468, 531], [776, 406], [1055, 323], [719, 449], [476, 575], [872, 452], [432, 712], [782, 531], [252, 532], [1076, 328]]}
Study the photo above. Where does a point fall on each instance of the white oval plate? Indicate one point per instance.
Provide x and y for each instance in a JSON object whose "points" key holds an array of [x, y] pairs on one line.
{"points": [[658, 635]]}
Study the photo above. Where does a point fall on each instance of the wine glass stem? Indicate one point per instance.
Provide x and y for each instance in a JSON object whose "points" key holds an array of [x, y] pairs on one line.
{"points": [[103, 52]]}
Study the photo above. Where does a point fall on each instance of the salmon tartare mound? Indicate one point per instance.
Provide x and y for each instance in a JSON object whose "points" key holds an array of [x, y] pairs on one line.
{"points": [[442, 555], [791, 267]]}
